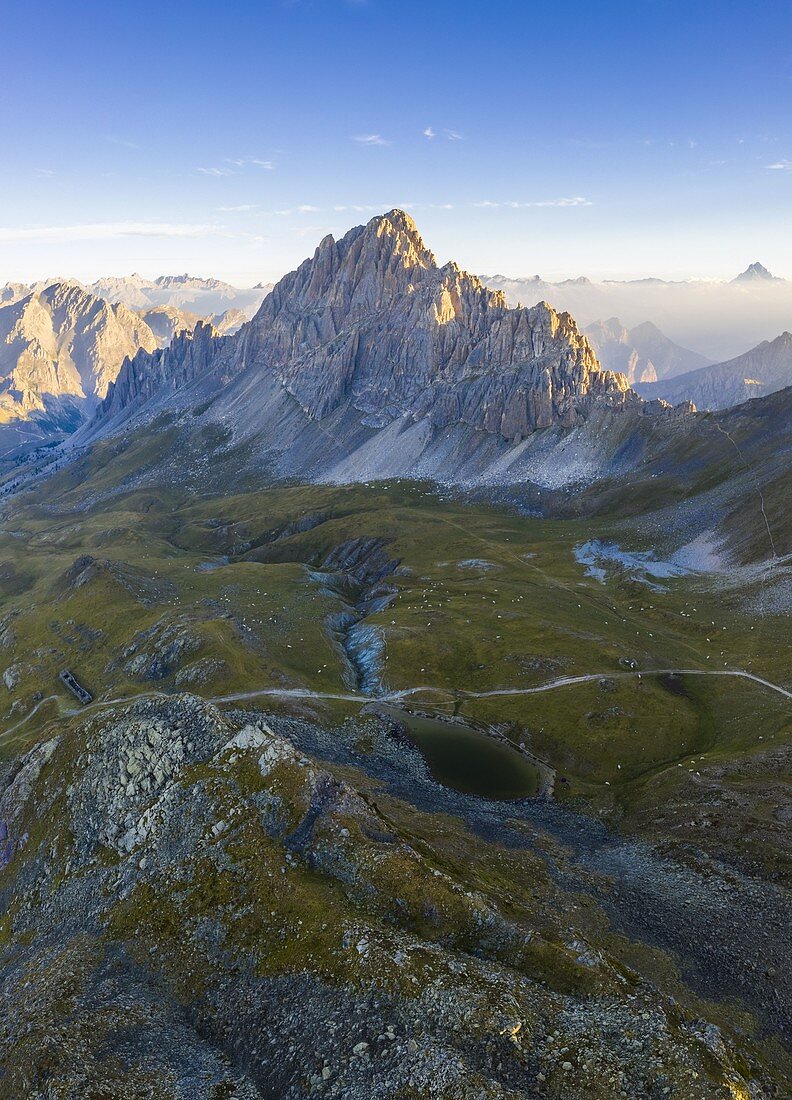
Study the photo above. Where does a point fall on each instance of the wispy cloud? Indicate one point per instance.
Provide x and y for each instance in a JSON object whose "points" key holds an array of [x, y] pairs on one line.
{"points": [[124, 143], [44, 171], [101, 231], [578, 200], [244, 206], [449, 135], [381, 207], [781, 166], [369, 139], [235, 165], [243, 162]]}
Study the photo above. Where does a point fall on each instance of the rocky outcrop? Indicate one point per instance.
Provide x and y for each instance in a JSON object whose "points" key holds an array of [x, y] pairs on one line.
{"points": [[373, 322], [214, 905], [164, 370], [763, 370], [167, 321]]}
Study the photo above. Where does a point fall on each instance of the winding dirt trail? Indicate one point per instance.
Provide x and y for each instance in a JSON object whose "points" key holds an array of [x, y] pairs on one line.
{"points": [[404, 693]]}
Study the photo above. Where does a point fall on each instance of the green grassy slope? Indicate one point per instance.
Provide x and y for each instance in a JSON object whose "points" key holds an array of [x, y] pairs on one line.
{"points": [[214, 595]]}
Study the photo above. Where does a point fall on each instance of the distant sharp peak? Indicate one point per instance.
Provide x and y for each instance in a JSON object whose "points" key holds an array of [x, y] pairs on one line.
{"points": [[754, 273]]}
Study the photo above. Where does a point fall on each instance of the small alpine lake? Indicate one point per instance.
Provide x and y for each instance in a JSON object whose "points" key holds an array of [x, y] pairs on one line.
{"points": [[467, 759]]}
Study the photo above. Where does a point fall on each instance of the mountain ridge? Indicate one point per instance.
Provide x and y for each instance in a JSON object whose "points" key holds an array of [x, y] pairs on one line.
{"points": [[373, 322], [762, 370]]}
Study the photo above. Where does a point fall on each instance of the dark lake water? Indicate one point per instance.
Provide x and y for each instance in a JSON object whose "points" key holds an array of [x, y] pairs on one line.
{"points": [[467, 760]]}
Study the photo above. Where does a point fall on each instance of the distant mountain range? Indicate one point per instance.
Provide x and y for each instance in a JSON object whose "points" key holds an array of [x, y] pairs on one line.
{"points": [[371, 361], [716, 318], [203, 297], [765, 369], [369, 356], [60, 348], [371, 349], [62, 344]]}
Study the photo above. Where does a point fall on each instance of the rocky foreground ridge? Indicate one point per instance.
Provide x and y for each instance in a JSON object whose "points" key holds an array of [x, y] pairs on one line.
{"points": [[211, 905], [372, 323]]}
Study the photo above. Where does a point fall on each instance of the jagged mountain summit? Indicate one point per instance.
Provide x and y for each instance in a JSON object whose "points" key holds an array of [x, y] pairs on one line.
{"points": [[643, 353], [755, 272], [371, 326], [763, 370]]}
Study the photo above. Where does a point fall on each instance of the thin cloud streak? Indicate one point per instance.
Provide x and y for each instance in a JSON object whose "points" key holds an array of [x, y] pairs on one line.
{"points": [[124, 143], [243, 162], [379, 208], [578, 200], [369, 139], [449, 135], [103, 231]]}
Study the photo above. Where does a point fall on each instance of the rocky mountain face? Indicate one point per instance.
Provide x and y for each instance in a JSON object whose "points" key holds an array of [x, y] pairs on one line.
{"points": [[643, 353], [371, 323], [62, 344], [166, 322], [763, 370], [150, 373], [373, 320]]}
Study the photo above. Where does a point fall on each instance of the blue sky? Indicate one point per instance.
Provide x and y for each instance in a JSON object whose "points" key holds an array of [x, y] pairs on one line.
{"points": [[605, 137]]}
